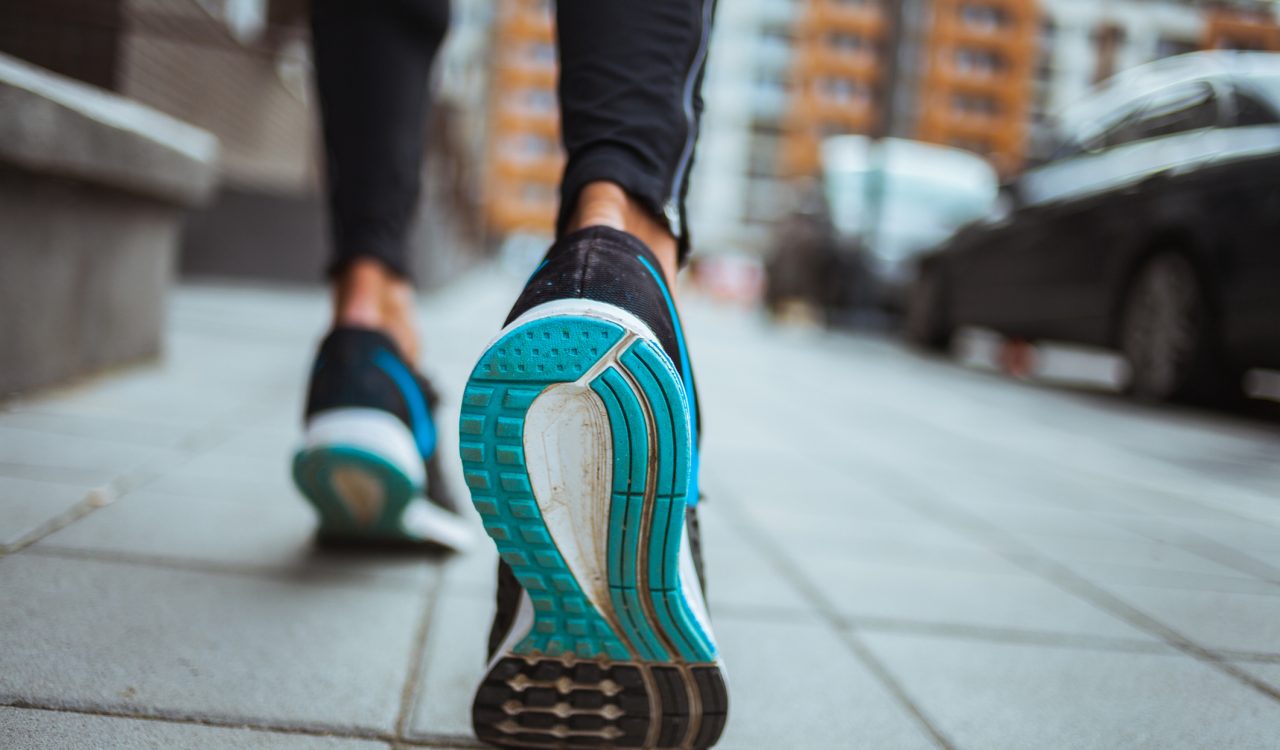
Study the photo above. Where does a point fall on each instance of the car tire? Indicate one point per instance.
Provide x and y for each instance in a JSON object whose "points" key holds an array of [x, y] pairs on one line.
{"points": [[926, 323], [1166, 333]]}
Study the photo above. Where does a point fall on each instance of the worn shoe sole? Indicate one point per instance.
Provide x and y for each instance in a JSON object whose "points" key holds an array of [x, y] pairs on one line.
{"points": [[361, 471], [575, 442]]}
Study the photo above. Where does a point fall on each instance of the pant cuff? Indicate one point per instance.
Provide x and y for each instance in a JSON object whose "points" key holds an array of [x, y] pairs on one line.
{"points": [[621, 166]]}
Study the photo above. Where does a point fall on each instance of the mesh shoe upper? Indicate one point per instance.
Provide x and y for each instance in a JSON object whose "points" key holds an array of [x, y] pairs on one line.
{"points": [[605, 265]]}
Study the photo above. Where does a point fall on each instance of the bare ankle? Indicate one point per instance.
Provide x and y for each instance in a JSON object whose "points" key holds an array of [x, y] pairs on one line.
{"points": [[367, 294], [608, 205]]}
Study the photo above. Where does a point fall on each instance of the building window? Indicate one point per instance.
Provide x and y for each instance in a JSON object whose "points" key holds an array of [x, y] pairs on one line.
{"points": [[527, 147], [843, 90], [976, 145], [1168, 46], [983, 17], [978, 62], [846, 43], [536, 192], [541, 54], [532, 101], [972, 105]]}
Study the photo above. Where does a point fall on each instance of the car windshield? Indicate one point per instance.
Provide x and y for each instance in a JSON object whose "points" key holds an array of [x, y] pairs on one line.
{"points": [[917, 210], [1268, 86]]}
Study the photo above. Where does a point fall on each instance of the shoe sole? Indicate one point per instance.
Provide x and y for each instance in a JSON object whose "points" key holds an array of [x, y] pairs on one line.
{"points": [[614, 656], [358, 494], [361, 470]]}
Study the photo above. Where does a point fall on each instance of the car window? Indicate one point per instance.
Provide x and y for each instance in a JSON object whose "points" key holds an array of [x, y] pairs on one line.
{"points": [[1252, 110], [1179, 109], [1106, 132]]}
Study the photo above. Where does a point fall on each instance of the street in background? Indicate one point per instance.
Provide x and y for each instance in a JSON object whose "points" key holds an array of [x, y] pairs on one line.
{"points": [[1151, 230]]}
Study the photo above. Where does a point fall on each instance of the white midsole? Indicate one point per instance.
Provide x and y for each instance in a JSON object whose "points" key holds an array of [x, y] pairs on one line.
{"points": [[374, 430], [588, 308], [426, 520]]}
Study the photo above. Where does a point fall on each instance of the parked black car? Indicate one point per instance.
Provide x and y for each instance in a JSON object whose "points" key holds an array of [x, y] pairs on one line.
{"points": [[1153, 230]]}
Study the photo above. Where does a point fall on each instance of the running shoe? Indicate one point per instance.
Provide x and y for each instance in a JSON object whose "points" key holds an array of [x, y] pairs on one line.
{"points": [[369, 463], [578, 443]]}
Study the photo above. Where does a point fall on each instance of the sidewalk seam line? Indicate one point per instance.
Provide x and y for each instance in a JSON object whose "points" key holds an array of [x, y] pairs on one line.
{"points": [[246, 724], [827, 612], [1065, 579], [417, 653]]}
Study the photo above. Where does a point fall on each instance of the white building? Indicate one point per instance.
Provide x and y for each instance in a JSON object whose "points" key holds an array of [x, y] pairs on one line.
{"points": [[744, 90], [1075, 44]]}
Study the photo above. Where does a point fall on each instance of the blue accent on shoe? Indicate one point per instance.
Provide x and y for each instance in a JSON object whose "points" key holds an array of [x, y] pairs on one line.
{"points": [[541, 266], [647, 617], [686, 372], [424, 428]]}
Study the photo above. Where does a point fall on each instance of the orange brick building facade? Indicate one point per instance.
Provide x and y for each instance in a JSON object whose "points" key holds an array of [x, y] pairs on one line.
{"points": [[973, 91], [837, 78], [524, 158], [1239, 29], [978, 81]]}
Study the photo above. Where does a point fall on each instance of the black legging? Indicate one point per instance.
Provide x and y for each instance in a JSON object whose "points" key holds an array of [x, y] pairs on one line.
{"points": [[630, 75]]}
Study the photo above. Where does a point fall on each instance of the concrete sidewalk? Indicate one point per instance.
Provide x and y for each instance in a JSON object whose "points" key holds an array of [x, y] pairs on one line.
{"points": [[902, 554]]}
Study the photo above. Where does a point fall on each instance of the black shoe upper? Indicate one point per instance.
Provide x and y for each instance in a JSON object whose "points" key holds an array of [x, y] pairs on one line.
{"points": [[363, 368], [609, 266]]}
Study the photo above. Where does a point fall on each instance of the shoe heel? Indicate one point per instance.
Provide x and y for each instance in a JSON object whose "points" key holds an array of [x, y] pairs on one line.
{"points": [[359, 468], [601, 565], [556, 703]]}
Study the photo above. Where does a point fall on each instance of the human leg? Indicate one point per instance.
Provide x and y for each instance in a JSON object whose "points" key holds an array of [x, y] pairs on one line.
{"points": [[369, 463], [579, 424]]}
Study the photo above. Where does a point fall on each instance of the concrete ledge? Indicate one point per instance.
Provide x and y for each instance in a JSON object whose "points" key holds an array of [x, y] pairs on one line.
{"points": [[56, 126], [93, 189]]}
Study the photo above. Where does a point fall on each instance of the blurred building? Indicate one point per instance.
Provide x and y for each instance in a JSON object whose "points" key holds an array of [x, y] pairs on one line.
{"points": [[735, 190], [954, 72], [241, 69], [524, 157], [838, 77], [1086, 41], [977, 84]]}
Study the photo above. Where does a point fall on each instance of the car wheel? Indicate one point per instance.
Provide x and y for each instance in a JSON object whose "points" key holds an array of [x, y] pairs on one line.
{"points": [[1165, 332], [926, 322]]}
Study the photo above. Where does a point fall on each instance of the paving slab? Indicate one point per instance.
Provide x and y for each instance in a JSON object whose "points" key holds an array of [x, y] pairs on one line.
{"points": [[919, 543], [453, 663], [84, 459], [26, 505], [35, 729], [475, 570], [739, 575], [797, 685], [98, 635], [1267, 672], [1135, 552], [1009, 600], [989, 695], [1214, 619], [275, 534], [111, 428]]}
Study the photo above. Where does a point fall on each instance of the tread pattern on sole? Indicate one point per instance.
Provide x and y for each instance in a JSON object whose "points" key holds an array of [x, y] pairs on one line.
{"points": [[314, 470], [582, 677], [506, 380], [562, 703]]}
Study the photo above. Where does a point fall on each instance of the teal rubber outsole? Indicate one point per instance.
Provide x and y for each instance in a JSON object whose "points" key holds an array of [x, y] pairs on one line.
{"points": [[647, 618], [313, 472]]}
